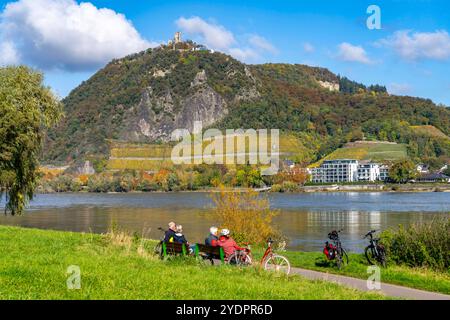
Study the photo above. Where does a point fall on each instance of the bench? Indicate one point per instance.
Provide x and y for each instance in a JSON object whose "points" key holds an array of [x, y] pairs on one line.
{"points": [[172, 248], [200, 250], [209, 252]]}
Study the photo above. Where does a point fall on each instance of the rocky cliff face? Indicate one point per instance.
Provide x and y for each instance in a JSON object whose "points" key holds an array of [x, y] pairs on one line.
{"points": [[157, 116]]}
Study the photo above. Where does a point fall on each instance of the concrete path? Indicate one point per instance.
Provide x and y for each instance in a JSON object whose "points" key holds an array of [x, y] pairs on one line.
{"points": [[390, 290]]}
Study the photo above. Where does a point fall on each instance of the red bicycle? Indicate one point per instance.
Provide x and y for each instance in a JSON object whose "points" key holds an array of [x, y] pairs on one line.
{"points": [[270, 260], [335, 251]]}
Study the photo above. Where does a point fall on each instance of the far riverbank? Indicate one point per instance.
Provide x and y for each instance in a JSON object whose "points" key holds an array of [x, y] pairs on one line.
{"points": [[424, 187]]}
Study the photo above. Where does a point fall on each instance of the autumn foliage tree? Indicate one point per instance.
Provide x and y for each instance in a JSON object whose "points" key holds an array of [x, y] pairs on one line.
{"points": [[247, 214], [402, 171]]}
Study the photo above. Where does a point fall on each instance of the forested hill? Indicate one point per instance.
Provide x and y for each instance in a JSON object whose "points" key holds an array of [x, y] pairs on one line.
{"points": [[143, 97]]}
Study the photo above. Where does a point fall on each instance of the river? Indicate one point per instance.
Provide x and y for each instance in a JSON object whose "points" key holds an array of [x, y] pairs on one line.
{"points": [[305, 219]]}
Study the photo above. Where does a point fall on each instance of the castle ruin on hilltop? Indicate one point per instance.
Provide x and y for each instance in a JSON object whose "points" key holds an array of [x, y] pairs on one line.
{"points": [[177, 43], [176, 40]]}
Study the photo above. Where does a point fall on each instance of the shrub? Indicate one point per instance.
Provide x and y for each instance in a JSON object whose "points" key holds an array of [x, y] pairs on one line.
{"points": [[420, 245], [277, 188], [289, 186], [64, 183], [100, 183], [246, 214], [147, 186], [286, 186]]}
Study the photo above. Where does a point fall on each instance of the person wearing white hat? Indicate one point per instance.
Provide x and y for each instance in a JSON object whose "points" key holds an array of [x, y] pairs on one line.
{"points": [[227, 243]]}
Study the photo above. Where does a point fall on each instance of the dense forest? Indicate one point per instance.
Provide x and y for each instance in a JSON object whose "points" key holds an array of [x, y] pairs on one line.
{"points": [[284, 96]]}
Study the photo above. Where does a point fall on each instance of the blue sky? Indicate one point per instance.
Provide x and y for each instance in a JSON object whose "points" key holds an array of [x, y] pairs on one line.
{"points": [[410, 54]]}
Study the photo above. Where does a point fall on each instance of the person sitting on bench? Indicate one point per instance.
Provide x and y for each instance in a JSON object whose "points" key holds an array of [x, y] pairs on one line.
{"points": [[212, 238], [179, 236], [170, 233], [227, 243]]}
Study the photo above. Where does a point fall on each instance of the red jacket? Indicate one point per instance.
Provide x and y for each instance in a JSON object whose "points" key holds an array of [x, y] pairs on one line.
{"points": [[229, 245]]}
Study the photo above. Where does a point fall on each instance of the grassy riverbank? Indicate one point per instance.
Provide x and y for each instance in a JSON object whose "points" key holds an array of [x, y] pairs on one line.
{"points": [[34, 265]]}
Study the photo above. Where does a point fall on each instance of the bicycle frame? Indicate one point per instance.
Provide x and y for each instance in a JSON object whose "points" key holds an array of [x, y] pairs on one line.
{"points": [[337, 243], [267, 253], [373, 244]]}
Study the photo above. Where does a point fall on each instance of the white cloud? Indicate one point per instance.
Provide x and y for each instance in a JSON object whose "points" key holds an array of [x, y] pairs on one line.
{"points": [[243, 54], [308, 47], [217, 37], [419, 45], [262, 43], [351, 53], [66, 35], [400, 89], [8, 54]]}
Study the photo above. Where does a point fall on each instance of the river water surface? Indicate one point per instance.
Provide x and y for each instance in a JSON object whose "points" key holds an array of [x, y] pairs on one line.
{"points": [[305, 219]]}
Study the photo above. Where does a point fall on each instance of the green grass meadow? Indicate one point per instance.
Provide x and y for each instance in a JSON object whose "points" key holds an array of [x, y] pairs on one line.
{"points": [[34, 265]]}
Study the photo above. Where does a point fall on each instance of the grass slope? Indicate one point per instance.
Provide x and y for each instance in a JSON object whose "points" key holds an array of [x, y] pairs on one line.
{"points": [[34, 264], [374, 151], [430, 131]]}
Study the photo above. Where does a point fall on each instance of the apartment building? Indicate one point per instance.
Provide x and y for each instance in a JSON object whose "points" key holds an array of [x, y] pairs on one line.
{"points": [[368, 171], [333, 171], [348, 170]]}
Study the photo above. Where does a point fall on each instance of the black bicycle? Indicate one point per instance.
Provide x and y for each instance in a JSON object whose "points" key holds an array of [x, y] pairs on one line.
{"points": [[335, 251], [375, 252]]}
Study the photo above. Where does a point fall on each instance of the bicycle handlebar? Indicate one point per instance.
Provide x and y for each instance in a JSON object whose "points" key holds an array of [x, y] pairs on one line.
{"points": [[370, 233]]}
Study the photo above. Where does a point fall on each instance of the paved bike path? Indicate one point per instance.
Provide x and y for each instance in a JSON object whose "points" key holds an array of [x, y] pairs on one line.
{"points": [[386, 289]]}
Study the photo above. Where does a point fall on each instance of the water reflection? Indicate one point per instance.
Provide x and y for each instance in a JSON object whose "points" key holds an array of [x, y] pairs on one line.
{"points": [[306, 218]]}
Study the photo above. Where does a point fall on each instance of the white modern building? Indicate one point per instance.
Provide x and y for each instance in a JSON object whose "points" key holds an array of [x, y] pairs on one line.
{"points": [[331, 171], [348, 170], [368, 171]]}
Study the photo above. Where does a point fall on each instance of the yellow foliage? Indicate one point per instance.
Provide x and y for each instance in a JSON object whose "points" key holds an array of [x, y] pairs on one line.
{"points": [[84, 179], [123, 164], [430, 131], [51, 172], [247, 214]]}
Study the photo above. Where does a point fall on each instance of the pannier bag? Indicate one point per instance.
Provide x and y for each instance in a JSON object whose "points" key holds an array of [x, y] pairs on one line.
{"points": [[329, 251]]}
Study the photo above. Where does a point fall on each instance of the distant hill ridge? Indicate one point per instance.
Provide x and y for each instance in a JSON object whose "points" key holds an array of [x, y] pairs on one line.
{"points": [[143, 97]]}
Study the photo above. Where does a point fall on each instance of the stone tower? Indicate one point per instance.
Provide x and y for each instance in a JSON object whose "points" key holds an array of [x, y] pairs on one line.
{"points": [[177, 38]]}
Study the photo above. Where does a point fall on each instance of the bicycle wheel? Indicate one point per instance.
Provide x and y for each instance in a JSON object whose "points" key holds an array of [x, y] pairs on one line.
{"points": [[372, 257], [239, 258], [382, 256], [341, 258], [278, 264], [344, 256], [158, 249]]}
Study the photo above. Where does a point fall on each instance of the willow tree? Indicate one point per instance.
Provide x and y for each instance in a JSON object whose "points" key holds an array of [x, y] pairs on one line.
{"points": [[27, 108]]}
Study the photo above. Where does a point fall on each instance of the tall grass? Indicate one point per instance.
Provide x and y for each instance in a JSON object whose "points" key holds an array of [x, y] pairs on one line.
{"points": [[420, 244]]}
